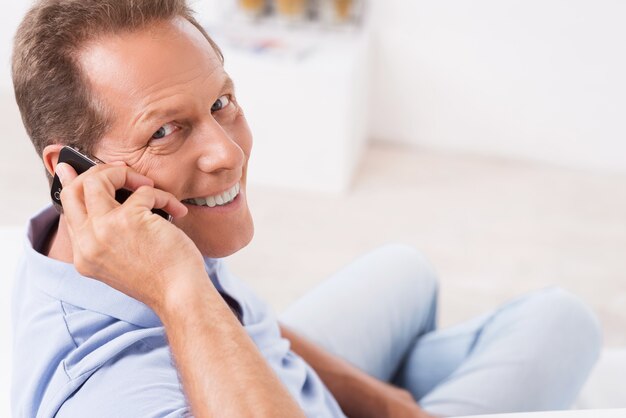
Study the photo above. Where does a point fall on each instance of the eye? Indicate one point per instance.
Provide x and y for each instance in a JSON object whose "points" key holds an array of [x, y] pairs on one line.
{"points": [[221, 103], [164, 131]]}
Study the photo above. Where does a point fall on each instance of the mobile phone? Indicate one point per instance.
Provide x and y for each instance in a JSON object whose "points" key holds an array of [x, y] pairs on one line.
{"points": [[81, 163]]}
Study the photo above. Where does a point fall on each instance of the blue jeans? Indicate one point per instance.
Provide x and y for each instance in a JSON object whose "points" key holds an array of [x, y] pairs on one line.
{"points": [[379, 313]]}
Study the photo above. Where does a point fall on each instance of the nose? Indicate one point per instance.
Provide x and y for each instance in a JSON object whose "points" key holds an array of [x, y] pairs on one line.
{"points": [[217, 149]]}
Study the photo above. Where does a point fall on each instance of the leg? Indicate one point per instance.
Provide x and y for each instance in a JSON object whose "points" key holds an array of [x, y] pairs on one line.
{"points": [[372, 311], [533, 353]]}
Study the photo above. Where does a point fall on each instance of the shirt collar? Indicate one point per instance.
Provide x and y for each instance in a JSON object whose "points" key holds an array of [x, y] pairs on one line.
{"points": [[62, 281]]}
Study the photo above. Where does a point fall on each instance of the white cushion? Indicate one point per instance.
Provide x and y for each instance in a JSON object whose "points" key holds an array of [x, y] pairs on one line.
{"points": [[605, 387], [11, 240], [589, 413]]}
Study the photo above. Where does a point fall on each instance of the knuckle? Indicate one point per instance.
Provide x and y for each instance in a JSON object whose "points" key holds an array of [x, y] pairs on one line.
{"points": [[91, 182], [99, 167], [145, 190], [101, 231], [124, 169], [123, 221], [168, 195]]}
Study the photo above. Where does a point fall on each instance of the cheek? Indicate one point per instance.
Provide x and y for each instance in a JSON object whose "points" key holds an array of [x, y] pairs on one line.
{"points": [[164, 171], [242, 134]]}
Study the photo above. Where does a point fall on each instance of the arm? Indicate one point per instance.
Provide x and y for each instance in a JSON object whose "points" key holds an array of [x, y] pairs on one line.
{"points": [[222, 371], [141, 254], [358, 394]]}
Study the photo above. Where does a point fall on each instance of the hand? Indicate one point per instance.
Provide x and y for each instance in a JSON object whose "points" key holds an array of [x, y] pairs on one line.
{"points": [[125, 245]]}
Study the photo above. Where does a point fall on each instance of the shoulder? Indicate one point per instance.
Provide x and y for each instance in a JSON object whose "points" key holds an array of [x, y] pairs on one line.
{"points": [[141, 381]]}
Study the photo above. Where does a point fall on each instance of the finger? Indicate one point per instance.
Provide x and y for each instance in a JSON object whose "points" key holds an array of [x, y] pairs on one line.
{"points": [[71, 196], [100, 186], [150, 198], [65, 172], [170, 204], [122, 176]]}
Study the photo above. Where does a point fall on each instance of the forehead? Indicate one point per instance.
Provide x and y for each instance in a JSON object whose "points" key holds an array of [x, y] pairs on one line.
{"points": [[131, 69]]}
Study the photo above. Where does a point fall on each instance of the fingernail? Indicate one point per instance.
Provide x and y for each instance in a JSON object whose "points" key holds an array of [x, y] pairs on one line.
{"points": [[61, 172]]}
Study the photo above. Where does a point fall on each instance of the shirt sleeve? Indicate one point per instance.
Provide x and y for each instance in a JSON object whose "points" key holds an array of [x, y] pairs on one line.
{"points": [[140, 382]]}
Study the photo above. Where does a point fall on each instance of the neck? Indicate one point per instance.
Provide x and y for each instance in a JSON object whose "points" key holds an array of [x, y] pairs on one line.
{"points": [[59, 246]]}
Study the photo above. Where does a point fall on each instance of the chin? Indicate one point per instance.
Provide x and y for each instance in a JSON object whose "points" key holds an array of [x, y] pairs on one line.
{"points": [[212, 248]]}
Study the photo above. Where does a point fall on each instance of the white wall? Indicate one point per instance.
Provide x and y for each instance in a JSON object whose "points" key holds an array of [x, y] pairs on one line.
{"points": [[536, 79], [539, 79]]}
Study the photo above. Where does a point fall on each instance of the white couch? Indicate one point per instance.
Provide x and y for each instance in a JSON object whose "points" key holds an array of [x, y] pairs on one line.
{"points": [[10, 249], [605, 388]]}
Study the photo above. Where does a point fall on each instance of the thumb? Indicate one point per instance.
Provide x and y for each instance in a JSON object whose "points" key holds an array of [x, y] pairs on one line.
{"points": [[65, 172]]}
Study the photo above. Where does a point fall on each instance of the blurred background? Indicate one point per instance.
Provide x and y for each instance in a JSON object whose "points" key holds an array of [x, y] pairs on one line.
{"points": [[489, 134]]}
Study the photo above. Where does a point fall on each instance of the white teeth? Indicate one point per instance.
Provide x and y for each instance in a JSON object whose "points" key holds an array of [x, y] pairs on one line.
{"points": [[220, 199]]}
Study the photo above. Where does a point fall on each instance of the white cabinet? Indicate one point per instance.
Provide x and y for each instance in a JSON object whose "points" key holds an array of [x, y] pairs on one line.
{"points": [[304, 92]]}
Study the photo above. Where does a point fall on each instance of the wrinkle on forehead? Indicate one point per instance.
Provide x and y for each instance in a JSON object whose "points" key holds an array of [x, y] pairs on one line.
{"points": [[129, 69], [198, 76], [163, 103]]}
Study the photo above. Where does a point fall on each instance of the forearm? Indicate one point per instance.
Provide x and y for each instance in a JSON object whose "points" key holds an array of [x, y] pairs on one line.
{"points": [[222, 371], [358, 394], [149, 259]]}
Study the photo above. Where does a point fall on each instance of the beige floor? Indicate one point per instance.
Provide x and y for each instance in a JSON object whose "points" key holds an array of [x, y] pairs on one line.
{"points": [[492, 227]]}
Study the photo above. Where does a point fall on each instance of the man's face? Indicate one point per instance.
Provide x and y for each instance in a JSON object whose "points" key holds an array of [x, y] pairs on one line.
{"points": [[174, 118]]}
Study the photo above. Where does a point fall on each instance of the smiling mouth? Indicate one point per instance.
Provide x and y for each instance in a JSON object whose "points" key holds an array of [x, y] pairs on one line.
{"points": [[221, 199]]}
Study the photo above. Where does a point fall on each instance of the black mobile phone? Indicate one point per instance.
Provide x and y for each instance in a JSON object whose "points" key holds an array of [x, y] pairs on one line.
{"points": [[82, 163]]}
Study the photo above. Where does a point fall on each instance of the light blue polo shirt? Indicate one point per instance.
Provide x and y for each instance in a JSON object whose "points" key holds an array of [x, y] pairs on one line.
{"points": [[84, 349]]}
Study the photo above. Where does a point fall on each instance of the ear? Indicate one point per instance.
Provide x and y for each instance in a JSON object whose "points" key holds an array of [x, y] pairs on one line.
{"points": [[50, 157]]}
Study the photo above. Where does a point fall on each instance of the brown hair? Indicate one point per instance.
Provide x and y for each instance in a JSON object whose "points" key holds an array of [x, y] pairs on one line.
{"points": [[53, 95]]}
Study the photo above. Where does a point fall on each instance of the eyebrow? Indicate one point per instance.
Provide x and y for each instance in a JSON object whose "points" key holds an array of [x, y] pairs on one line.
{"points": [[166, 113]]}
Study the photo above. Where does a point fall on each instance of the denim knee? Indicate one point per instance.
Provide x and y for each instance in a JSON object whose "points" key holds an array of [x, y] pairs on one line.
{"points": [[405, 258], [573, 319], [568, 341]]}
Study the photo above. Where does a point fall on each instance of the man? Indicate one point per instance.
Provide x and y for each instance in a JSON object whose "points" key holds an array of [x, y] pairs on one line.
{"points": [[119, 313]]}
